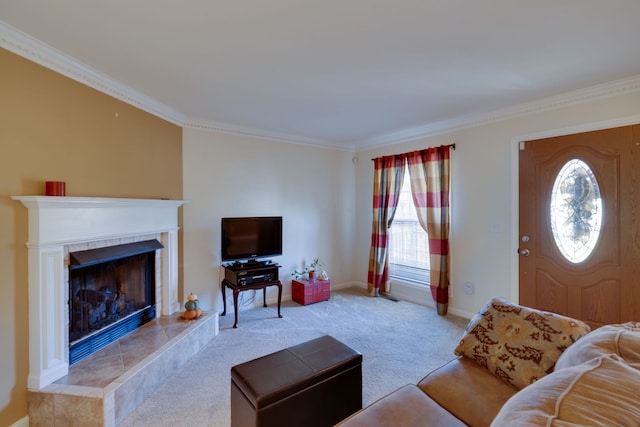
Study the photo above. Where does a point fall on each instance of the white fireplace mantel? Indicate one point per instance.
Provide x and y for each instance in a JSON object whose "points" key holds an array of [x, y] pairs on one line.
{"points": [[57, 222]]}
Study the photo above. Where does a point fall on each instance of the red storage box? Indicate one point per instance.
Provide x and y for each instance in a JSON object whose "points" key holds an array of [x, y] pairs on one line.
{"points": [[305, 292]]}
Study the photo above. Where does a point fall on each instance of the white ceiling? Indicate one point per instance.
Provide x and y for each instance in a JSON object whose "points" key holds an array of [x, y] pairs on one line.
{"points": [[350, 73]]}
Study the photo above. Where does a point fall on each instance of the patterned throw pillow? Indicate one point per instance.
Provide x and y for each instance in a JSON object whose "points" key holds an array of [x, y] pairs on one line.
{"points": [[518, 344]]}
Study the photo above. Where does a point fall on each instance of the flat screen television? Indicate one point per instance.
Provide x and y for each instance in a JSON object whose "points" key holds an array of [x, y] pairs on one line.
{"points": [[250, 238]]}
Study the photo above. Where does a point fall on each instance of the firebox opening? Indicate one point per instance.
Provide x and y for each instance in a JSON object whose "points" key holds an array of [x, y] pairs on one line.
{"points": [[111, 293]]}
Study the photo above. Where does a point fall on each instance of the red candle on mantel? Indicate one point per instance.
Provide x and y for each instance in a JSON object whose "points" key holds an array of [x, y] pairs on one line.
{"points": [[55, 188]]}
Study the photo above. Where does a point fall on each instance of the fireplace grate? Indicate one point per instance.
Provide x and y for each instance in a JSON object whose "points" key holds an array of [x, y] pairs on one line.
{"points": [[92, 343]]}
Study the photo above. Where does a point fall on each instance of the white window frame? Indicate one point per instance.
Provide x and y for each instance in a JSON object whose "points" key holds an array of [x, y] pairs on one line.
{"points": [[406, 270]]}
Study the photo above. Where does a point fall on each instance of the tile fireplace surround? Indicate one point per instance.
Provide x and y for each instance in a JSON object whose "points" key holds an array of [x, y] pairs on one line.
{"points": [[60, 225]]}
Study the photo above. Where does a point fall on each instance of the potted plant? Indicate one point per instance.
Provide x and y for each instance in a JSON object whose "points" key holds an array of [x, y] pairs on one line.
{"points": [[309, 270]]}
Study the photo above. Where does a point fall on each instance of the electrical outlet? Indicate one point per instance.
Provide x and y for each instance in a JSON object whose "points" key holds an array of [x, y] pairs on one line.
{"points": [[468, 288]]}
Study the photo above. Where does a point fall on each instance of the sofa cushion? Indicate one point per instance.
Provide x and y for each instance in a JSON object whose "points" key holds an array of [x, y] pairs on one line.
{"points": [[407, 406], [468, 391], [518, 344], [623, 340], [601, 392]]}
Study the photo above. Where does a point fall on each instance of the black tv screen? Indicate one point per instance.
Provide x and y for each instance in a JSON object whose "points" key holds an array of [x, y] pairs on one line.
{"points": [[249, 238]]}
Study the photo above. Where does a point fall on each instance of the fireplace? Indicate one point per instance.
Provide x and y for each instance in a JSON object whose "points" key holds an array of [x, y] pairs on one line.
{"points": [[111, 293], [64, 229]]}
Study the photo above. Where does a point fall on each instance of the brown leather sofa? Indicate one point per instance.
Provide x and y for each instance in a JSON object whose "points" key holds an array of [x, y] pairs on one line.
{"points": [[457, 394], [519, 366]]}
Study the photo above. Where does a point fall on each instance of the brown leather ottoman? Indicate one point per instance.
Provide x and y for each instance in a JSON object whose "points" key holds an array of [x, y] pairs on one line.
{"points": [[316, 383]]}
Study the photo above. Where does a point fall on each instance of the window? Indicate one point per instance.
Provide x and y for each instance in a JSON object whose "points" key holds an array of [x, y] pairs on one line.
{"points": [[576, 211], [408, 242]]}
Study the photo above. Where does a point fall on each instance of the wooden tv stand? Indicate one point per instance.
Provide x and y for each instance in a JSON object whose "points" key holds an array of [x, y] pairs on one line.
{"points": [[247, 277]]}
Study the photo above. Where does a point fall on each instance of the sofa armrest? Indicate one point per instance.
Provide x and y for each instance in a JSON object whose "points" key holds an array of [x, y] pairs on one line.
{"points": [[468, 391], [407, 406]]}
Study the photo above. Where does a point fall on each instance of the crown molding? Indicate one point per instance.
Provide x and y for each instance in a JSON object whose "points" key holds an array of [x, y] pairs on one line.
{"points": [[34, 50], [217, 127], [602, 91]]}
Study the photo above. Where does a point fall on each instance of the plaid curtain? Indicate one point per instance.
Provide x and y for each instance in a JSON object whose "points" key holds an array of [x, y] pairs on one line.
{"points": [[429, 174], [387, 181]]}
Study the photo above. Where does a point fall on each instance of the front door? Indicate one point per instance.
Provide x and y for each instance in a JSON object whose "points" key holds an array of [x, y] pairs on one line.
{"points": [[580, 225]]}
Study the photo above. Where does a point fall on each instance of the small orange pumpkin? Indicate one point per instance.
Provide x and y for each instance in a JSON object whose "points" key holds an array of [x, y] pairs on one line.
{"points": [[189, 314]]}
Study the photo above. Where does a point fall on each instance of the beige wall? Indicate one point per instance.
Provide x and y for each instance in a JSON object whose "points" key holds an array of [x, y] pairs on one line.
{"points": [[52, 128], [228, 175]]}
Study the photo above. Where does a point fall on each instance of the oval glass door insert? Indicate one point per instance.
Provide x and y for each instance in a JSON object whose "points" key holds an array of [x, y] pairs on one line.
{"points": [[576, 211]]}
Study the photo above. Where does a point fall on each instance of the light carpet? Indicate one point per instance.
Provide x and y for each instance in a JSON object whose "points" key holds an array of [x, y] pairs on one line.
{"points": [[400, 343]]}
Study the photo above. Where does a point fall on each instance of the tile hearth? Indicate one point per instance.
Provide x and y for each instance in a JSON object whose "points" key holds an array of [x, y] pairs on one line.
{"points": [[108, 385]]}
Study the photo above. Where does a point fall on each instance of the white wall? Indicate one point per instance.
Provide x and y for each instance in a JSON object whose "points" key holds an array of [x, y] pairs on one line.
{"points": [[228, 175], [484, 194], [326, 200]]}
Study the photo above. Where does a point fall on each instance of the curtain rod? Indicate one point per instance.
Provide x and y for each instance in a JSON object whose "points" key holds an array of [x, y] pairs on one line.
{"points": [[453, 147]]}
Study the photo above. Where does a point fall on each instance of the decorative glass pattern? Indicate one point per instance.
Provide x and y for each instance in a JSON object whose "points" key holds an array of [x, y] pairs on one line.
{"points": [[576, 211]]}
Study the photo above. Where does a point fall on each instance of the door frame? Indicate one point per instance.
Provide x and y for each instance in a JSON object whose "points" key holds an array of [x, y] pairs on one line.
{"points": [[515, 178]]}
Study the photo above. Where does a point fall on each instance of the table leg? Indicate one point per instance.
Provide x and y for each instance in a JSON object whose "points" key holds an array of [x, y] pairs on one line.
{"points": [[235, 306], [224, 299], [279, 298], [264, 296]]}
